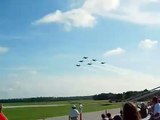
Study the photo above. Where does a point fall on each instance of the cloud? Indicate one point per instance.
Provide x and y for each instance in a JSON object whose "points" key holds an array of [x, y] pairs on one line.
{"points": [[148, 44], [100, 7], [3, 50], [48, 85], [115, 52], [80, 17], [133, 11], [72, 18], [137, 11]]}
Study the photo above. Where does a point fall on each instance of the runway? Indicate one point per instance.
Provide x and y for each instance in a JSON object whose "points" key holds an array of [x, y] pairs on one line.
{"points": [[90, 115], [93, 115]]}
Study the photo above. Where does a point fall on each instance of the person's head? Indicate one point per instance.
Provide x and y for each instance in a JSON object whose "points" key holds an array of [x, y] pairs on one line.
{"points": [[73, 106], [155, 99], [117, 117], [108, 115], [103, 116], [130, 112]]}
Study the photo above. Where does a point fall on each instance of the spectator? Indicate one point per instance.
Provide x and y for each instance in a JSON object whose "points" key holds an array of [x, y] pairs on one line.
{"points": [[130, 112], [2, 116], [121, 113], [74, 113], [109, 116], [103, 117], [156, 109], [117, 117], [143, 110]]}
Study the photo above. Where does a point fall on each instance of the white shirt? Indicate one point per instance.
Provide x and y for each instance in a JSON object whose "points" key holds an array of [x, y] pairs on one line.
{"points": [[157, 108], [74, 113]]}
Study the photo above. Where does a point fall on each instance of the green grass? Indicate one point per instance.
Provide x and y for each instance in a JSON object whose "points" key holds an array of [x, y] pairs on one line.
{"points": [[35, 103], [34, 113]]}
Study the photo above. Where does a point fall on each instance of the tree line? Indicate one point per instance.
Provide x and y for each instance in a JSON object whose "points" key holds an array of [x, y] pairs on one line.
{"points": [[103, 96], [44, 99]]}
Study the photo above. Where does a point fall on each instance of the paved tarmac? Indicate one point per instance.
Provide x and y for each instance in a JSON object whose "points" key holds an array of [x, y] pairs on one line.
{"points": [[90, 115], [93, 115]]}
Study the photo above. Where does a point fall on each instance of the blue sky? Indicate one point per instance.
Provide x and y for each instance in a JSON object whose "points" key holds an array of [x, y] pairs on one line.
{"points": [[41, 42]]}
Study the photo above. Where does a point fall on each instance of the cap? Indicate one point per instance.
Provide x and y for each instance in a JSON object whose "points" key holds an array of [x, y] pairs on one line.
{"points": [[73, 106]]}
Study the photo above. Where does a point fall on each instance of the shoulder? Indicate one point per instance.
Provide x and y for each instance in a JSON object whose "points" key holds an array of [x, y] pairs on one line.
{"points": [[157, 105], [76, 110], [2, 117]]}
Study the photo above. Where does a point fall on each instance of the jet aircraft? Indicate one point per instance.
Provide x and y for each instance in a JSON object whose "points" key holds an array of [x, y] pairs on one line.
{"points": [[85, 57], [94, 60], [89, 63]]}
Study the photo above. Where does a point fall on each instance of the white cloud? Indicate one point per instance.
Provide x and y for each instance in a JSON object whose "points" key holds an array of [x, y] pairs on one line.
{"points": [[137, 11], [72, 18], [100, 7], [148, 44], [3, 50], [80, 17], [134, 11], [115, 52]]}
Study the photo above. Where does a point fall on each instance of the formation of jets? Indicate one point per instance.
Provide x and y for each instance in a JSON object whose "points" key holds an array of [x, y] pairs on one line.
{"points": [[88, 63]]}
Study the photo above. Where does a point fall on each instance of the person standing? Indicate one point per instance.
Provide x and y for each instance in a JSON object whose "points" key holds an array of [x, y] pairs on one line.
{"points": [[2, 116], [143, 110], [156, 109], [109, 116], [74, 113], [103, 117], [130, 112]]}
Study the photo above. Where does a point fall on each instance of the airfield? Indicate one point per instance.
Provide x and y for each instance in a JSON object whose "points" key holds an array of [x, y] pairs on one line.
{"points": [[93, 115], [90, 115], [92, 110], [55, 110]]}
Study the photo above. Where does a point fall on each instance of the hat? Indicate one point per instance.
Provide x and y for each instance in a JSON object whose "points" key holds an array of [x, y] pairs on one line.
{"points": [[73, 106]]}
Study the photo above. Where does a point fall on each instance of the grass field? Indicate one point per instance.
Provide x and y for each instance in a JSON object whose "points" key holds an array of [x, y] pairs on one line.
{"points": [[34, 113]]}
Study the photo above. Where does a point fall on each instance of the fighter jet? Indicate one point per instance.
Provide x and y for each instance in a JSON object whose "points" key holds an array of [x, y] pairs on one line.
{"points": [[89, 63], [102, 62], [80, 61], [78, 65], [85, 57], [94, 60]]}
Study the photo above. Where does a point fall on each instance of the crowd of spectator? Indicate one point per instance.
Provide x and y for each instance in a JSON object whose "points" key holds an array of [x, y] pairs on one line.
{"points": [[134, 111]]}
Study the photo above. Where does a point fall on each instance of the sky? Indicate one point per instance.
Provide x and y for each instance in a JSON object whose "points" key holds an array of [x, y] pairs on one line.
{"points": [[42, 41]]}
